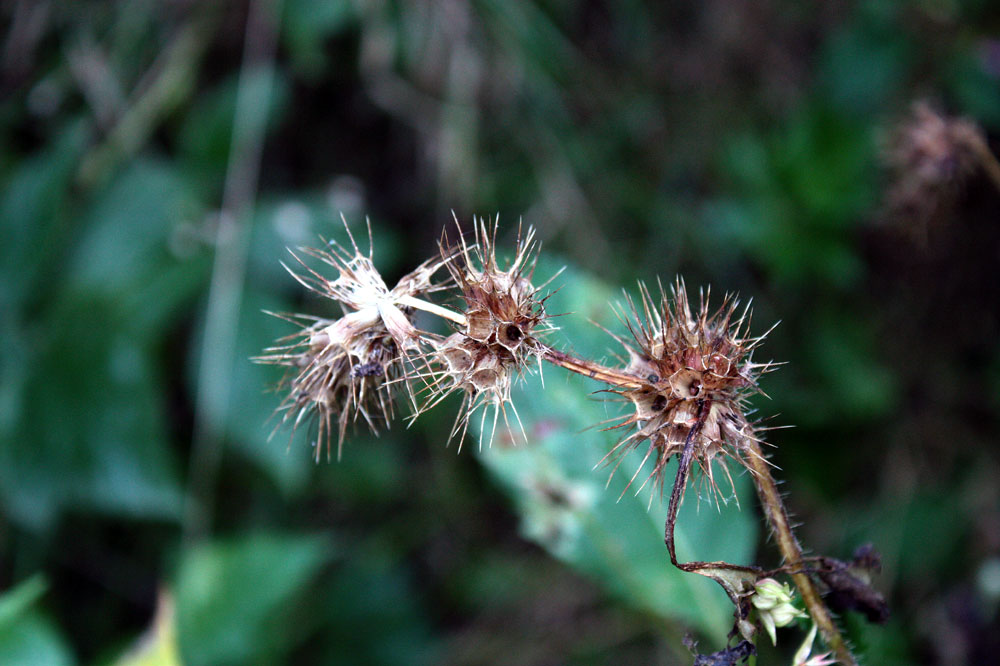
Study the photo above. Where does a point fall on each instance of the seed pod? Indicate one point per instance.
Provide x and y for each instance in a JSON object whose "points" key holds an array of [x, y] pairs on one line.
{"points": [[504, 319], [696, 374], [339, 371]]}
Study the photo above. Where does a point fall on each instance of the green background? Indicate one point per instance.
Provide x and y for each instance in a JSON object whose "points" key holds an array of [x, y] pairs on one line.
{"points": [[156, 159]]}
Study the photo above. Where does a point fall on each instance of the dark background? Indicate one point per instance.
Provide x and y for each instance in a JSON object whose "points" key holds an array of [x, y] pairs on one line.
{"points": [[157, 157]]}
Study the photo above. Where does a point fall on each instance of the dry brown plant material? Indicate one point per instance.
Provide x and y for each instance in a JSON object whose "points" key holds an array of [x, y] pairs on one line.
{"points": [[685, 379]]}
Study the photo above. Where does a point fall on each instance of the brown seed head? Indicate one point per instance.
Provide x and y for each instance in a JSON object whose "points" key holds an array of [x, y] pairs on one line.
{"points": [[339, 371], [696, 374], [504, 319], [501, 306]]}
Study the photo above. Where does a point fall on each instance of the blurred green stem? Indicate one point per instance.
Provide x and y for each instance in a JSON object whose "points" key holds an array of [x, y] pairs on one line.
{"points": [[232, 243]]}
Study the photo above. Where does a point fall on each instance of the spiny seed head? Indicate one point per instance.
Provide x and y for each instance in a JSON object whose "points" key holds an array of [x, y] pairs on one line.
{"points": [[482, 373], [350, 368], [695, 374], [504, 319], [929, 156], [501, 306]]}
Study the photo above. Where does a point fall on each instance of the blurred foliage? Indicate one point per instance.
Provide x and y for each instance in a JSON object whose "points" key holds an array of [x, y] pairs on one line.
{"points": [[26, 636], [735, 143]]}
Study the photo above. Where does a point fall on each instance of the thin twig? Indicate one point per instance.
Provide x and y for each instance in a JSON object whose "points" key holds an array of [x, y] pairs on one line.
{"points": [[580, 366], [590, 369]]}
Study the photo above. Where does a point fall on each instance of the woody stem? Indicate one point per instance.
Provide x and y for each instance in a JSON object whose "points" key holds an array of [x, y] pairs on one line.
{"points": [[774, 509]]}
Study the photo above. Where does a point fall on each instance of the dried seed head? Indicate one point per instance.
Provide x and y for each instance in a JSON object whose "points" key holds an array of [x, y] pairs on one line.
{"points": [[482, 372], [504, 320], [359, 287], [350, 368], [696, 373], [339, 371], [929, 157], [501, 306]]}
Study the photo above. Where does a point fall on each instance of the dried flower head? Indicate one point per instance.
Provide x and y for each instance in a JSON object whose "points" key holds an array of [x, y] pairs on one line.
{"points": [[501, 306], [503, 321], [695, 374], [350, 368], [929, 156]]}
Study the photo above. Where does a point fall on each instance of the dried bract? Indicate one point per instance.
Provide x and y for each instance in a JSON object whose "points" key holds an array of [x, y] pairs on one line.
{"points": [[504, 320], [350, 368], [695, 374]]}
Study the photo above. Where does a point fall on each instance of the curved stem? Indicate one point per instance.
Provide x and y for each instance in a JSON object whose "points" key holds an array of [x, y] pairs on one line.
{"points": [[680, 481], [790, 549], [767, 489]]}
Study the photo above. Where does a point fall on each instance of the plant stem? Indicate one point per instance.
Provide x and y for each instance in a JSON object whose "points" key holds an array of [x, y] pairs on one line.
{"points": [[767, 490], [590, 369], [431, 308], [580, 366], [226, 291], [774, 509]]}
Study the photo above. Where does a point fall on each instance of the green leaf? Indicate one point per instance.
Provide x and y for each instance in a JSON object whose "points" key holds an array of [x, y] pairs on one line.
{"points": [[16, 602], [27, 638], [800, 194], [91, 431], [82, 413], [33, 641], [372, 611], [129, 249], [32, 201], [610, 534], [236, 598]]}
